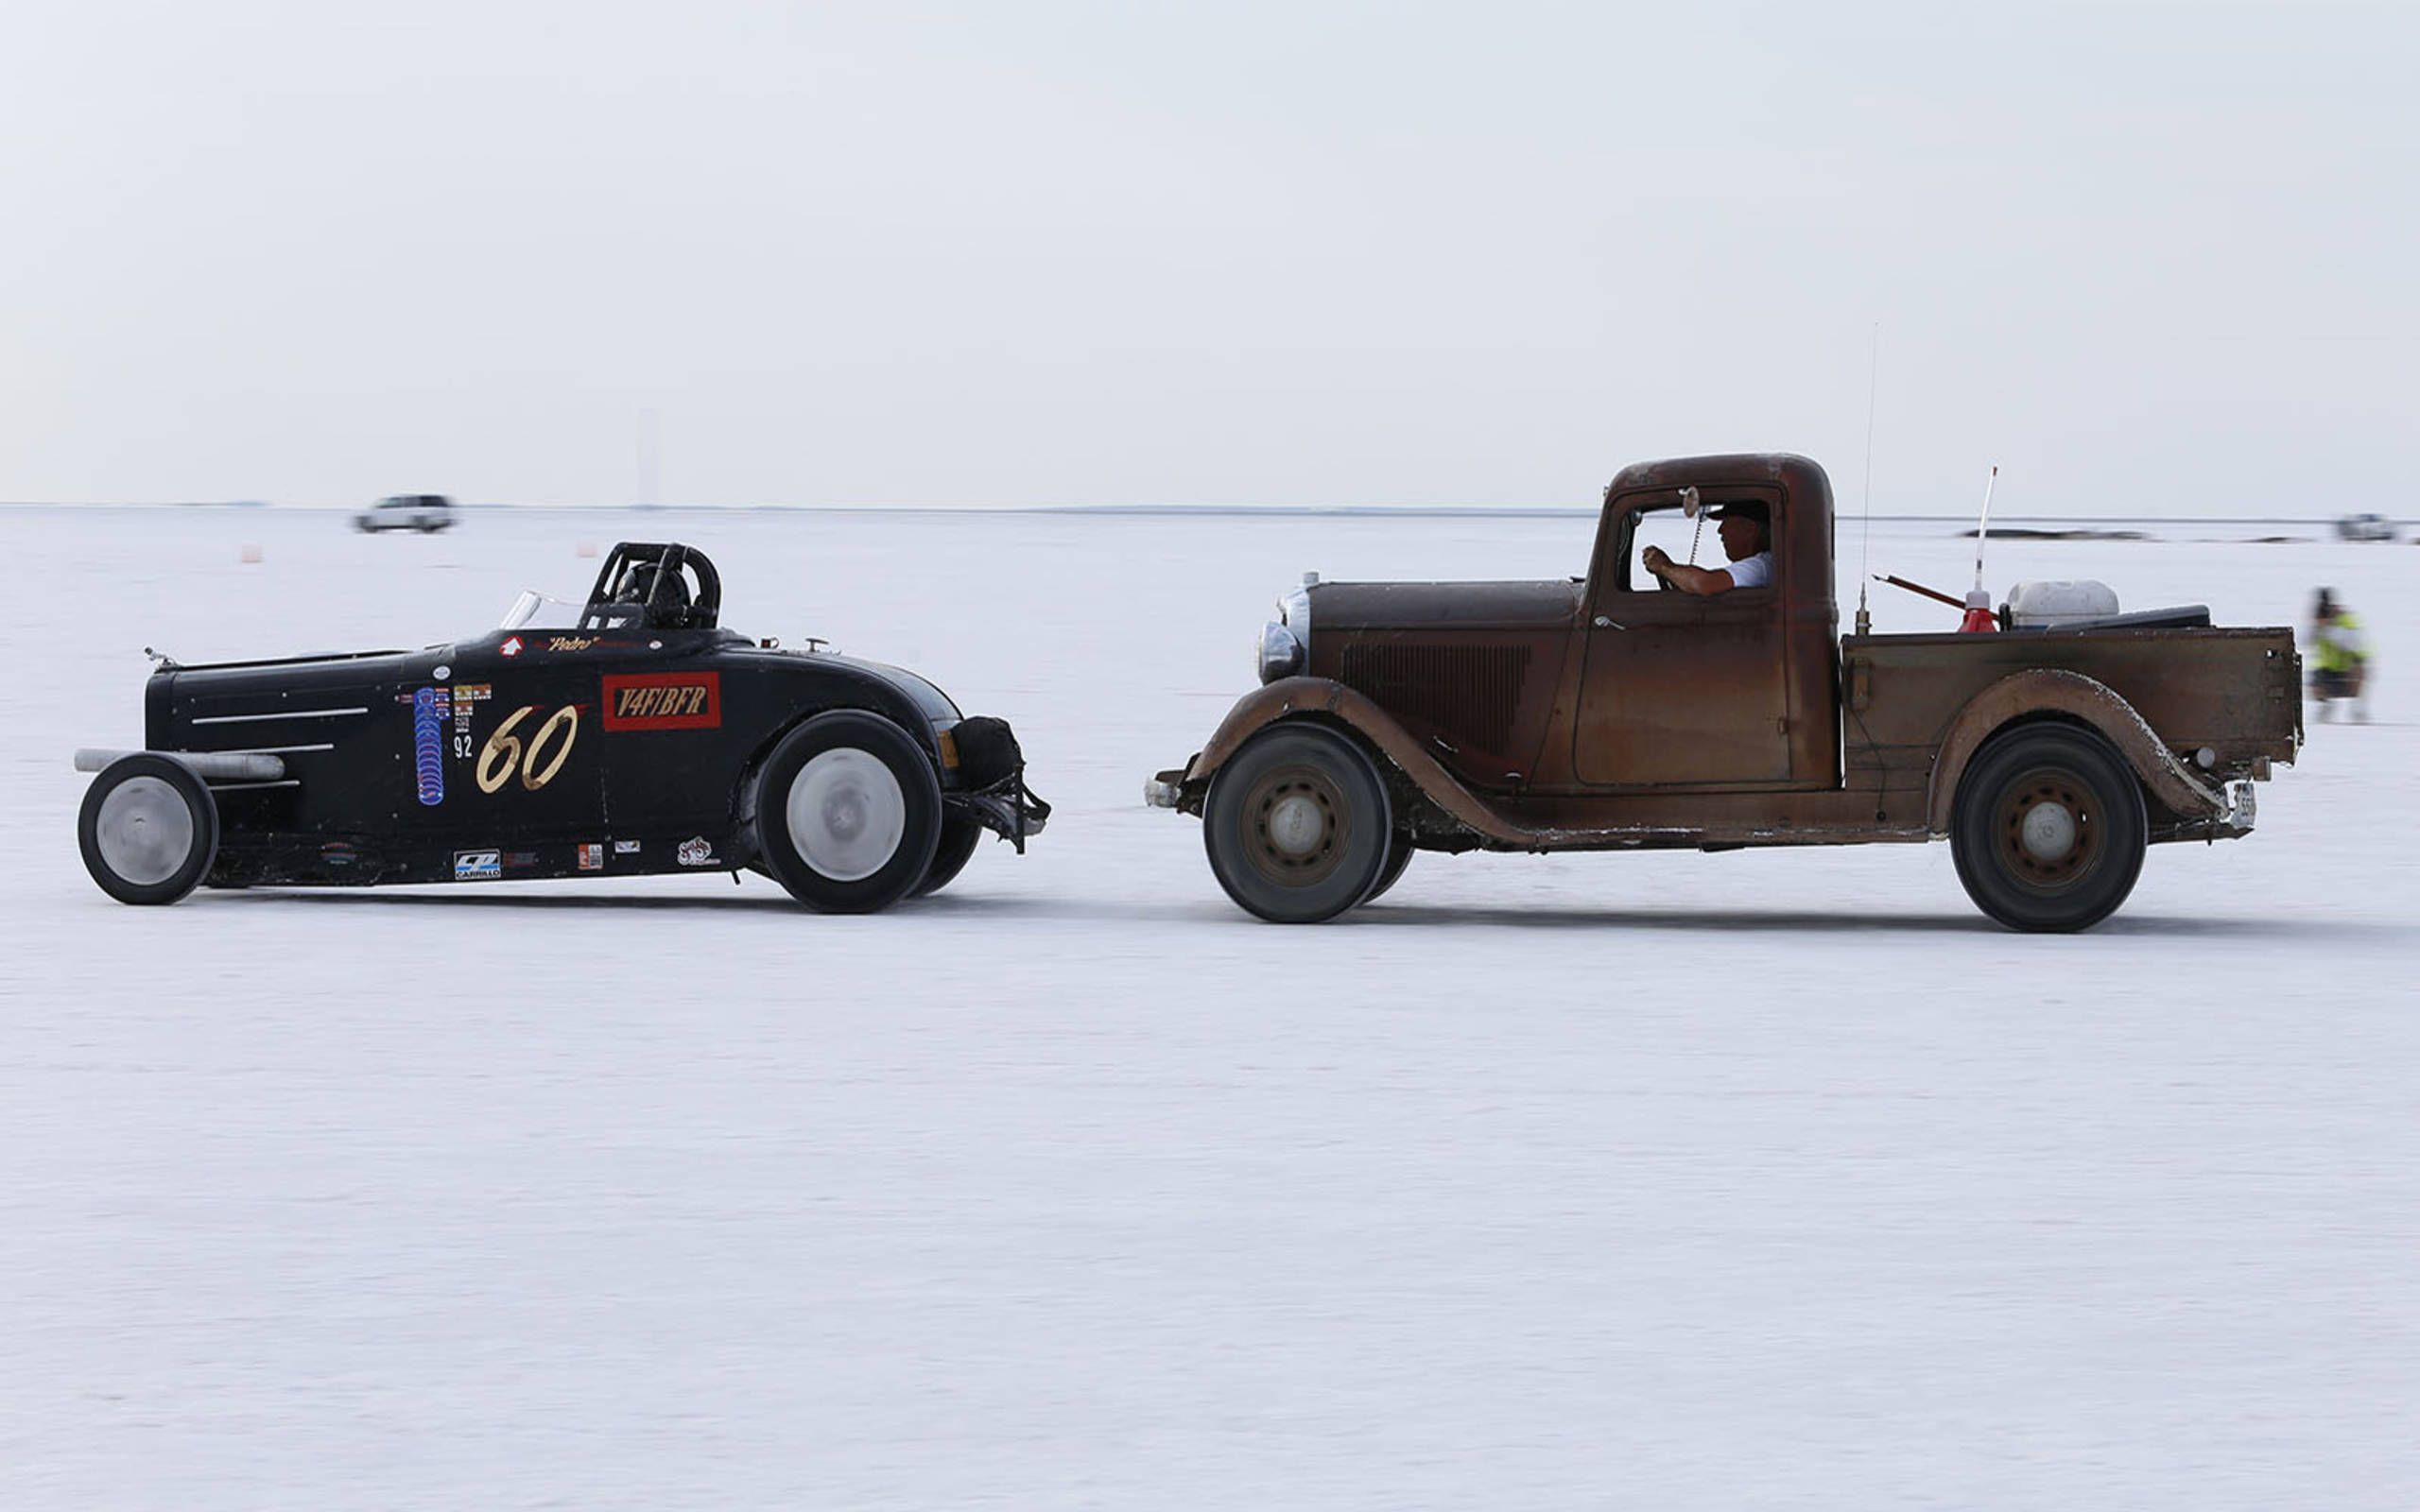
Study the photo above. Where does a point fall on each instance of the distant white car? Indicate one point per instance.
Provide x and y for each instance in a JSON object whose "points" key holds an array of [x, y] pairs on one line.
{"points": [[424, 512], [2366, 527]]}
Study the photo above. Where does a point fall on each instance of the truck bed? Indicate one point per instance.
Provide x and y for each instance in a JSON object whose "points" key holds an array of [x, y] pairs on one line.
{"points": [[2234, 693]]}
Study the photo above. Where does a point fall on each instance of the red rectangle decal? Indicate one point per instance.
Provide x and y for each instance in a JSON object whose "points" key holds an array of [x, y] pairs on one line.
{"points": [[665, 700]]}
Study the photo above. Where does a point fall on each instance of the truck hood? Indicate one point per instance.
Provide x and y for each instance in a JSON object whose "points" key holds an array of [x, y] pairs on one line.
{"points": [[1462, 605]]}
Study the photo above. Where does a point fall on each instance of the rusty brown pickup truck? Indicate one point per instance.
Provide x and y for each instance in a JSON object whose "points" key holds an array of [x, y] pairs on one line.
{"points": [[1615, 712]]}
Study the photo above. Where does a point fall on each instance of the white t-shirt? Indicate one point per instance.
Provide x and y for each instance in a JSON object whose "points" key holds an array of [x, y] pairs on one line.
{"points": [[1752, 572]]}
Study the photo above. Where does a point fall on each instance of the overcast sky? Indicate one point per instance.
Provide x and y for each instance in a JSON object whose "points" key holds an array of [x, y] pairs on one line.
{"points": [[2146, 257]]}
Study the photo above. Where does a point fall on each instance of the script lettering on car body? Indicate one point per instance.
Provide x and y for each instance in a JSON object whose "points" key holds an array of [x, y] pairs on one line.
{"points": [[505, 752]]}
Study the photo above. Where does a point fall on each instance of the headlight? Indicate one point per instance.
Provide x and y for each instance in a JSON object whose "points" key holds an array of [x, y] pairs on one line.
{"points": [[1281, 655], [1286, 641]]}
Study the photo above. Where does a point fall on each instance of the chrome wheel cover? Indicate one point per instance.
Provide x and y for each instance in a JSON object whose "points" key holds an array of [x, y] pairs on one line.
{"points": [[1297, 823], [2049, 826], [144, 831], [2049, 831], [846, 813]]}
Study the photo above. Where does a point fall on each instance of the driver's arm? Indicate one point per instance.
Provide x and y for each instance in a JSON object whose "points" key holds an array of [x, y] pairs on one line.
{"points": [[1703, 581]]}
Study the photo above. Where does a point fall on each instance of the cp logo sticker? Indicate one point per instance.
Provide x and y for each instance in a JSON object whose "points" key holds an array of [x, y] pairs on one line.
{"points": [[504, 752]]}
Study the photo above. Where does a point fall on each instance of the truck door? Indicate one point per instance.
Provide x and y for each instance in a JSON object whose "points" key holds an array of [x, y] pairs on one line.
{"points": [[1679, 691]]}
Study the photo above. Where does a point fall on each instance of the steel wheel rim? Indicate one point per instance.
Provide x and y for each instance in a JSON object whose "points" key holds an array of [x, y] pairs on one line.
{"points": [[847, 813], [2048, 828], [1298, 823], [144, 831]]}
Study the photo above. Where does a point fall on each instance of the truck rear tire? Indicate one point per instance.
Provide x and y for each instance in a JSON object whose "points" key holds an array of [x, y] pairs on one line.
{"points": [[1297, 825], [2048, 830]]}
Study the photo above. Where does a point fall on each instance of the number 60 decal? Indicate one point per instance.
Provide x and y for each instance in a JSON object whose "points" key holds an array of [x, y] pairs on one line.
{"points": [[505, 751]]}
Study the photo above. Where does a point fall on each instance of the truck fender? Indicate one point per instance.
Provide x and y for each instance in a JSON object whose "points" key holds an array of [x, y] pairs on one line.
{"points": [[1324, 699], [2084, 700]]}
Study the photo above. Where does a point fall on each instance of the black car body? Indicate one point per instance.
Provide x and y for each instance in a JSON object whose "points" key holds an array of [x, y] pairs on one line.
{"points": [[638, 738]]}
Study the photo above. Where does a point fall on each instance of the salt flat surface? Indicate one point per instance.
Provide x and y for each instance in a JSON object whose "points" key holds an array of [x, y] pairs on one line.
{"points": [[1756, 1180]]}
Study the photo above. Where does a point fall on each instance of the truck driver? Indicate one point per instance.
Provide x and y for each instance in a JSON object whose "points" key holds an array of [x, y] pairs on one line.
{"points": [[1747, 540]]}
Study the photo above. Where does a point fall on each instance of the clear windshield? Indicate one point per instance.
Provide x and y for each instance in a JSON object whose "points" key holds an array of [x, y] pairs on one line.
{"points": [[535, 610]]}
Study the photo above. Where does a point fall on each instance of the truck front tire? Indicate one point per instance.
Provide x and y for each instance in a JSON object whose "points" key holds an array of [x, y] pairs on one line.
{"points": [[1398, 857], [2048, 830], [1297, 825]]}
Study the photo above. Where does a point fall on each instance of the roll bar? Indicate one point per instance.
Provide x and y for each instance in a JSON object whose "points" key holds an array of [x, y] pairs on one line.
{"points": [[669, 559]]}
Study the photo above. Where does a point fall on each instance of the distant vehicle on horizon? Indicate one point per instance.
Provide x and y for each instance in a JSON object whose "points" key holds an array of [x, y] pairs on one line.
{"points": [[2366, 527], [424, 512]]}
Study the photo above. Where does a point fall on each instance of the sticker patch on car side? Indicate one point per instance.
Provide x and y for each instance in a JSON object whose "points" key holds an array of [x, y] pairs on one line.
{"points": [[467, 698], [663, 701], [477, 866], [431, 710], [591, 858], [696, 852]]}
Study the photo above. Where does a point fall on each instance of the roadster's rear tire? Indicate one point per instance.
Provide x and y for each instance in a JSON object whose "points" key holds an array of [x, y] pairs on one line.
{"points": [[148, 829], [848, 813], [1297, 825], [958, 837], [2049, 829]]}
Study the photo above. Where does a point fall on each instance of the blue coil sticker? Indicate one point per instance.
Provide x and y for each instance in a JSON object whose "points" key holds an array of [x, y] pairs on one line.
{"points": [[428, 744]]}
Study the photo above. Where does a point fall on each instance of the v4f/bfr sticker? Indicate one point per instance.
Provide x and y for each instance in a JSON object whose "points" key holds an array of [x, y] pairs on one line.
{"points": [[665, 700]]}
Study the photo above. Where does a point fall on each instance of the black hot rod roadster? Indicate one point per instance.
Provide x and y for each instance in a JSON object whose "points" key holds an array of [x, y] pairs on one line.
{"points": [[629, 735]]}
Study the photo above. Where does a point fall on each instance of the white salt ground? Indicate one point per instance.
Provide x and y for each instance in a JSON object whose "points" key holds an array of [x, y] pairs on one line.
{"points": [[1760, 1180]]}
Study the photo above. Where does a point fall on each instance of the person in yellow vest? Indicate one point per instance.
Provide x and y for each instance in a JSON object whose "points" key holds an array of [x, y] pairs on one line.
{"points": [[2342, 654]]}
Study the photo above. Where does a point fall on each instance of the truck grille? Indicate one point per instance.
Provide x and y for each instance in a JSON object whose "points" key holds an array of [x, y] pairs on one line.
{"points": [[1468, 693]]}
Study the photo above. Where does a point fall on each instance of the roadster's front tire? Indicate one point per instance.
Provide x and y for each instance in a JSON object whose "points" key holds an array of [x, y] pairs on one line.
{"points": [[1297, 825], [848, 813], [148, 829], [959, 835], [2049, 829]]}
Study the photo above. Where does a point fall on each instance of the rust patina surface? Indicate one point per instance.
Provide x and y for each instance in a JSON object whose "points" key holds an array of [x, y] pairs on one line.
{"points": [[1600, 712]]}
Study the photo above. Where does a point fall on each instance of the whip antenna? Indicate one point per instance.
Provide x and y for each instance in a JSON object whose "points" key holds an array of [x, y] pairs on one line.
{"points": [[1865, 546], [1978, 598], [1983, 527]]}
